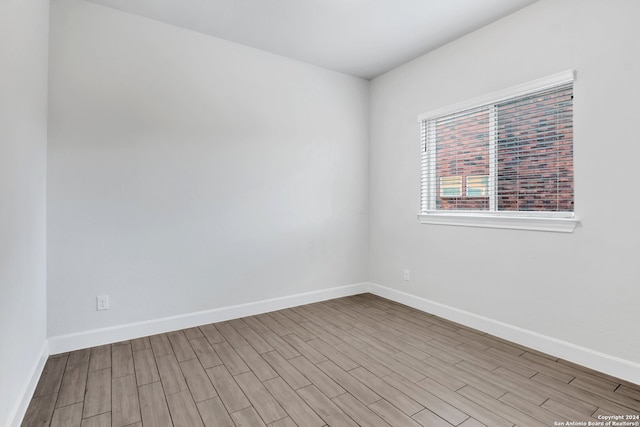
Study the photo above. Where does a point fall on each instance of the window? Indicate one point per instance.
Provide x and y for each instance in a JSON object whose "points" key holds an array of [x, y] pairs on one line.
{"points": [[504, 160], [478, 186], [450, 186]]}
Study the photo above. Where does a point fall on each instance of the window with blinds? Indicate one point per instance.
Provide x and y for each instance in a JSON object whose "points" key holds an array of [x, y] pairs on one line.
{"points": [[509, 153]]}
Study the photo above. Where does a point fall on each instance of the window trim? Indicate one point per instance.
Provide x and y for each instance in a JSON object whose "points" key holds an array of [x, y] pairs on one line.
{"points": [[510, 220], [563, 222], [502, 95]]}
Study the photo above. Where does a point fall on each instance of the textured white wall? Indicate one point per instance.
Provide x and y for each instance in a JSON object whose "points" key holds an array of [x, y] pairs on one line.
{"points": [[188, 173], [581, 288], [24, 29]]}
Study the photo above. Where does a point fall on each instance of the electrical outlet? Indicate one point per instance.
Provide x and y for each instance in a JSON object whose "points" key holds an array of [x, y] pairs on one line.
{"points": [[407, 275], [102, 302]]}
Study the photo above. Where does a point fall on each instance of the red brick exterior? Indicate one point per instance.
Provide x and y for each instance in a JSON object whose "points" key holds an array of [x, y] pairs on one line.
{"points": [[462, 149], [534, 155]]}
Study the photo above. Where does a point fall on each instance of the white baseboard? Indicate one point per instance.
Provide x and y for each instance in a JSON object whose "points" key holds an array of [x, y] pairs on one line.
{"points": [[609, 364], [620, 368], [70, 342], [17, 415]]}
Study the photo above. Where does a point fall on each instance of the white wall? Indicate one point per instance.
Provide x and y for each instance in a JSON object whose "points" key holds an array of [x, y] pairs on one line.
{"points": [[581, 288], [24, 29], [188, 173]]}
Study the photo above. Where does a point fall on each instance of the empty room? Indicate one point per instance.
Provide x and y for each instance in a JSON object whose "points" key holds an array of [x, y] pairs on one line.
{"points": [[319, 213]]}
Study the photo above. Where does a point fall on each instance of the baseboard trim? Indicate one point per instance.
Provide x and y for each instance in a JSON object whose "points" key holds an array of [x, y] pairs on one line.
{"points": [[617, 367], [85, 339], [608, 364], [16, 417]]}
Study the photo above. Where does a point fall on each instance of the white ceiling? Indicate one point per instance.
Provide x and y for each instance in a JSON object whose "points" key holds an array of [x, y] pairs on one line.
{"points": [[364, 38]]}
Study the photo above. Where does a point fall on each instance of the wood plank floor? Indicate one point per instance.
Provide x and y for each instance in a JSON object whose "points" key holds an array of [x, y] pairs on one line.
{"points": [[360, 360]]}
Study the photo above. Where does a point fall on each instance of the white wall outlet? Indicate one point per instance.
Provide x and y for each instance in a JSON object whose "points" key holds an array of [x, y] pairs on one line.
{"points": [[102, 302], [407, 275]]}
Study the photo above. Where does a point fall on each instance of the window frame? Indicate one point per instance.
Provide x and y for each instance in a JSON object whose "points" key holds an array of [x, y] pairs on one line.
{"points": [[565, 222]]}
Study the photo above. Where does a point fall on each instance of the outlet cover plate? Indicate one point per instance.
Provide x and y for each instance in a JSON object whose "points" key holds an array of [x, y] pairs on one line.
{"points": [[102, 302]]}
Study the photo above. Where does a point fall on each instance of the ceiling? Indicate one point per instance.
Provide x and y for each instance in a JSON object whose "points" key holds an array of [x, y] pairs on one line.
{"points": [[364, 38]]}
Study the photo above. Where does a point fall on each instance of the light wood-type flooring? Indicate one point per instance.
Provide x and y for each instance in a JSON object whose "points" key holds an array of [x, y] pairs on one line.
{"points": [[360, 360]]}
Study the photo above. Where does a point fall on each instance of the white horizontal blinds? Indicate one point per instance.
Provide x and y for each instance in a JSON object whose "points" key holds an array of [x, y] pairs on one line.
{"points": [[425, 179], [512, 156], [535, 151], [428, 166]]}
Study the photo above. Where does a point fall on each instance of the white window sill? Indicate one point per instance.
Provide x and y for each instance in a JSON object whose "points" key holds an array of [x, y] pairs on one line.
{"points": [[515, 222]]}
